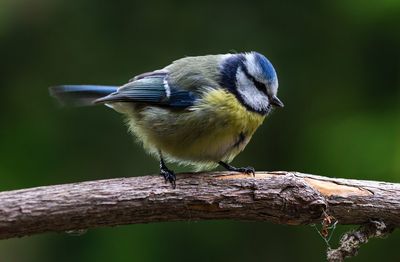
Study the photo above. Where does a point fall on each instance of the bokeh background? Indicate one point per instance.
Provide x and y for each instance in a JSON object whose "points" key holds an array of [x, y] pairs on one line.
{"points": [[338, 64]]}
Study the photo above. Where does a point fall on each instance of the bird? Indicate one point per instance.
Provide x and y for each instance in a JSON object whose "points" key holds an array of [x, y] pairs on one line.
{"points": [[199, 111]]}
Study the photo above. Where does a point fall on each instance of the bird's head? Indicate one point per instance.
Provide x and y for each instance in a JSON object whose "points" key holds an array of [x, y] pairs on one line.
{"points": [[252, 78]]}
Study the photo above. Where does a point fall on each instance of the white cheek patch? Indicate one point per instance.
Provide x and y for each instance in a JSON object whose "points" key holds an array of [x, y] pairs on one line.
{"points": [[249, 93]]}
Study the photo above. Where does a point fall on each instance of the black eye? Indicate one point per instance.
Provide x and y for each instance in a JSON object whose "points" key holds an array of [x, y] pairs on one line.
{"points": [[260, 86]]}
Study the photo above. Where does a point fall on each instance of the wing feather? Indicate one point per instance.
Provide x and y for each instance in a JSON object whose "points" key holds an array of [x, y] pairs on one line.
{"points": [[152, 89]]}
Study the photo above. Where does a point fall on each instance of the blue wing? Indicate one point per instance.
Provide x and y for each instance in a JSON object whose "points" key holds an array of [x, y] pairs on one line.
{"points": [[151, 88]]}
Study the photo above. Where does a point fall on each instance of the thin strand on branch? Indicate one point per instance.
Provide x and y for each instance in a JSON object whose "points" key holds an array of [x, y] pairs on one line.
{"points": [[280, 197]]}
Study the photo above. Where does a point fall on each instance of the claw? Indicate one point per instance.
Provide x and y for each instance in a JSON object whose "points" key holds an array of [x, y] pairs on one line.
{"points": [[247, 170], [169, 176]]}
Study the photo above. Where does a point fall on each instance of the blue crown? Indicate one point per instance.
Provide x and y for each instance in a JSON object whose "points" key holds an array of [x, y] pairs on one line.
{"points": [[266, 66]]}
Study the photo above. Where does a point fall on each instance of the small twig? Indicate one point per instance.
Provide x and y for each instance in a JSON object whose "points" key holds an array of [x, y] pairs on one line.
{"points": [[351, 241]]}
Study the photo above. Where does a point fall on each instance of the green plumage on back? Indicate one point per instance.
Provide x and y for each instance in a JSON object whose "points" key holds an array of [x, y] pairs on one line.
{"points": [[195, 73]]}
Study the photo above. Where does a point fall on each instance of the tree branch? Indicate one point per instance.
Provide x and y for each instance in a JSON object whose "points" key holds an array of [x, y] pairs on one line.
{"points": [[279, 197]]}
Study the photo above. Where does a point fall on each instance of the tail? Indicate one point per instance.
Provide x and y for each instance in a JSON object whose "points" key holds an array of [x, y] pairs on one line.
{"points": [[80, 95]]}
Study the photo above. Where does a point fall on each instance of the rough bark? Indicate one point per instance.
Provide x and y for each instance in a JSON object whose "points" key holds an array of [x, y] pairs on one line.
{"points": [[279, 197]]}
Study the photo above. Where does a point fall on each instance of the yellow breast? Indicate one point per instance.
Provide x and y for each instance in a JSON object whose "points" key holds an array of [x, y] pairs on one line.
{"points": [[228, 109], [217, 128], [233, 126]]}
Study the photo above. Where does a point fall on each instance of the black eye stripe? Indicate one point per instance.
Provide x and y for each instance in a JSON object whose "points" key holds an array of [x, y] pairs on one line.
{"points": [[260, 86]]}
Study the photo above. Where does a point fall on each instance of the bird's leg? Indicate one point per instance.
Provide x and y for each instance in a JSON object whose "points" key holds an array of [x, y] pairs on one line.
{"points": [[247, 170], [168, 175]]}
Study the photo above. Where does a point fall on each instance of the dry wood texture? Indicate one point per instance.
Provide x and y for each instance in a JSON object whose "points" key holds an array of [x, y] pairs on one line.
{"points": [[279, 197]]}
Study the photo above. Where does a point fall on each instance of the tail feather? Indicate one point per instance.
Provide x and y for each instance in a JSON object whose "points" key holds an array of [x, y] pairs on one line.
{"points": [[80, 95]]}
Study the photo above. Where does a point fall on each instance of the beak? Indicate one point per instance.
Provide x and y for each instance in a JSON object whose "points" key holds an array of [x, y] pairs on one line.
{"points": [[276, 102]]}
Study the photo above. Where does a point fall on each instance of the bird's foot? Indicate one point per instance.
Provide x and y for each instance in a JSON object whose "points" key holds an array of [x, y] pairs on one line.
{"points": [[247, 170], [169, 176]]}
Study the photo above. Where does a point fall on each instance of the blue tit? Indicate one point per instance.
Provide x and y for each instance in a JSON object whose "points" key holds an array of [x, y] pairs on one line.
{"points": [[199, 111]]}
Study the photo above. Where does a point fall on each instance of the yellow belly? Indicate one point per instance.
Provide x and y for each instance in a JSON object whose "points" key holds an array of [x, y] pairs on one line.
{"points": [[217, 128]]}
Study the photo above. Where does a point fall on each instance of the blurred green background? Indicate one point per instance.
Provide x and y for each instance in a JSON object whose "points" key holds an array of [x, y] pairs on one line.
{"points": [[338, 64]]}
